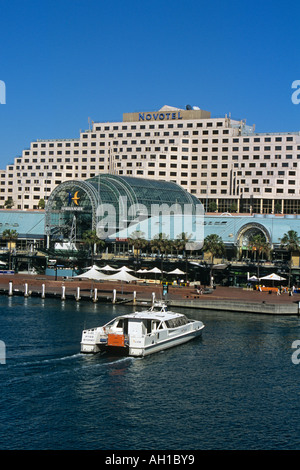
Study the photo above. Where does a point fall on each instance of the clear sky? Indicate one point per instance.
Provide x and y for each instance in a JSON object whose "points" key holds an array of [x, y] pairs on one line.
{"points": [[65, 61]]}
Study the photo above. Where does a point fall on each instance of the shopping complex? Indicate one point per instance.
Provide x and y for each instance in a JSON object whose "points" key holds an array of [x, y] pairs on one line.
{"points": [[169, 171]]}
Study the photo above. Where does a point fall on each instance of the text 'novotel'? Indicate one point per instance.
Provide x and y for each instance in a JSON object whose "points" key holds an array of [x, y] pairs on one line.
{"points": [[159, 116]]}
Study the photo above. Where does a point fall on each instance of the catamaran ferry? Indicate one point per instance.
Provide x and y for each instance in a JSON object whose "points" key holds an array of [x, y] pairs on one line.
{"points": [[141, 333]]}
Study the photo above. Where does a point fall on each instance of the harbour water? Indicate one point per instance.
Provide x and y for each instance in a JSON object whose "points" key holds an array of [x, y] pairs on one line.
{"points": [[237, 387]]}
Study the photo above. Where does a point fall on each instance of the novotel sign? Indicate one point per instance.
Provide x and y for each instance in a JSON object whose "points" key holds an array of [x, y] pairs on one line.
{"points": [[159, 116]]}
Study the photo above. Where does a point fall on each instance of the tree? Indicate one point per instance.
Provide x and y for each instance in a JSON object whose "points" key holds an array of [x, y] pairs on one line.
{"points": [[259, 245], [9, 203], [212, 207], [91, 239], [9, 236], [138, 242], [181, 244], [233, 207], [41, 204], [291, 243], [160, 243], [277, 207], [214, 245]]}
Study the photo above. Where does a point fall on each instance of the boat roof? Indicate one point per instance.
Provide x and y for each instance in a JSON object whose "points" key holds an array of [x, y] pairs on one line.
{"points": [[149, 315], [152, 314]]}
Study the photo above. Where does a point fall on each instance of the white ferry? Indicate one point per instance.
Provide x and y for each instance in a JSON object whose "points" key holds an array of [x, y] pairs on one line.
{"points": [[141, 333]]}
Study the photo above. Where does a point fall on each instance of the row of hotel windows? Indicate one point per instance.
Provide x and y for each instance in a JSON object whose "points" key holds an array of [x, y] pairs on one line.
{"points": [[154, 165], [77, 143], [193, 191], [157, 166], [163, 173], [148, 148], [154, 156], [168, 141]]}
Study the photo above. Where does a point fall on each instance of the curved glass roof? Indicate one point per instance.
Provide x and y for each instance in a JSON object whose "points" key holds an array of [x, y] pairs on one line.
{"points": [[89, 201], [140, 190]]}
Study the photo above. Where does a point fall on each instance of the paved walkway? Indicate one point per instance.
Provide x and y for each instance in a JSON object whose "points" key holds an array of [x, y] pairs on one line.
{"points": [[125, 290]]}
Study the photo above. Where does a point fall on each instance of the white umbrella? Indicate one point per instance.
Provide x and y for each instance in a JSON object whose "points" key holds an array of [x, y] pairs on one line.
{"points": [[107, 268], [92, 274], [122, 276], [124, 268], [176, 271], [92, 267], [253, 278], [142, 271], [155, 270], [273, 277]]}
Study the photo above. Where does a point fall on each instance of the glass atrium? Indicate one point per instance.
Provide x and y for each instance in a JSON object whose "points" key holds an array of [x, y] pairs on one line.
{"points": [[108, 203]]}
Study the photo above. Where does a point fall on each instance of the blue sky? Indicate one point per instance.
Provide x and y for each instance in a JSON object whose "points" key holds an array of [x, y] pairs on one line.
{"points": [[64, 61]]}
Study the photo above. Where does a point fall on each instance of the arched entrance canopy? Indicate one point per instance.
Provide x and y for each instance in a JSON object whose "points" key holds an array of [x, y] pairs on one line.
{"points": [[248, 231]]}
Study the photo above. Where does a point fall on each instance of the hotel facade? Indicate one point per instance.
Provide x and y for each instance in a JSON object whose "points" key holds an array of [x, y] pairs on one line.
{"points": [[223, 162]]}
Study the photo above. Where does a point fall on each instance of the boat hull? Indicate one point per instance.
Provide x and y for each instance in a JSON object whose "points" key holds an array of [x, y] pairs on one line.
{"points": [[141, 351], [165, 344]]}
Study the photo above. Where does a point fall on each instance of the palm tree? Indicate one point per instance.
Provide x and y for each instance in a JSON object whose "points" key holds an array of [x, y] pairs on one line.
{"points": [[91, 239], [291, 243], [138, 242], [181, 244], [214, 245], [259, 244], [10, 236], [160, 243]]}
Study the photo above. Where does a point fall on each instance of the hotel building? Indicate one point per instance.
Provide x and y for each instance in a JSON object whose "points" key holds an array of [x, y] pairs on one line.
{"points": [[221, 161]]}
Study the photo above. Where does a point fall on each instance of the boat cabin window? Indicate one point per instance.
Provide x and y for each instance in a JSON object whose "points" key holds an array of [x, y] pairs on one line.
{"points": [[148, 326], [123, 325], [154, 325], [175, 322], [157, 325]]}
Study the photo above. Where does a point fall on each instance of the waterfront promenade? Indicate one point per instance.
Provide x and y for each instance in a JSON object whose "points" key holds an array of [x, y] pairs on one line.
{"points": [[221, 298]]}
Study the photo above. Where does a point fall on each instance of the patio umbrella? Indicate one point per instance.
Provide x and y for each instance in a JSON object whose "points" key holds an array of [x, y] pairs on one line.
{"points": [[273, 277], [108, 268], [124, 268], [92, 274], [92, 267], [176, 271], [155, 270], [122, 276]]}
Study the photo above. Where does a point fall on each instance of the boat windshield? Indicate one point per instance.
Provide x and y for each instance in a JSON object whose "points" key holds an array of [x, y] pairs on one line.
{"points": [[175, 322]]}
